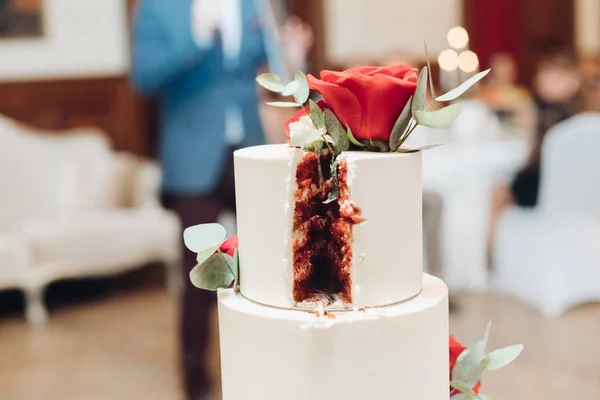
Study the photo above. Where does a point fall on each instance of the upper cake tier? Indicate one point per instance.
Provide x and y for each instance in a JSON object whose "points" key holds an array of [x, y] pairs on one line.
{"points": [[299, 244]]}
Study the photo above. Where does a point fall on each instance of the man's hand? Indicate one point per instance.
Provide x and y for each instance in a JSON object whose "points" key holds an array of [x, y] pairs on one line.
{"points": [[297, 39]]}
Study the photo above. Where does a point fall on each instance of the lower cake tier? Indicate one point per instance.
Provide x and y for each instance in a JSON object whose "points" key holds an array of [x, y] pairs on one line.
{"points": [[394, 352]]}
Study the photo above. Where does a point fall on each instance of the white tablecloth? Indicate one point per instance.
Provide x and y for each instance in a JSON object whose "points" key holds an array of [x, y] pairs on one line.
{"points": [[464, 174]]}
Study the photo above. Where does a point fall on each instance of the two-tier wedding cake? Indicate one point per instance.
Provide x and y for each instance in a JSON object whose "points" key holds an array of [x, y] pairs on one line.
{"points": [[322, 294]]}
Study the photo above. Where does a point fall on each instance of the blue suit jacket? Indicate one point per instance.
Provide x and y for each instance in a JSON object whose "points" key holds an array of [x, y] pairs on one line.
{"points": [[194, 90]]}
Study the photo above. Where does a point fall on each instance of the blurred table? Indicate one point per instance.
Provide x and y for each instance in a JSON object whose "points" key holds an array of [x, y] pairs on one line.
{"points": [[464, 174]]}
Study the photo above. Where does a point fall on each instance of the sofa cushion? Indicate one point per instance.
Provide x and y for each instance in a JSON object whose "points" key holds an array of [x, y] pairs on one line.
{"points": [[15, 259], [49, 173], [103, 241]]}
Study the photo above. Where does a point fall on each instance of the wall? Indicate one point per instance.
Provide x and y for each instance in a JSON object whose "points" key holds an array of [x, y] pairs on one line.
{"points": [[587, 14], [361, 31], [84, 38]]}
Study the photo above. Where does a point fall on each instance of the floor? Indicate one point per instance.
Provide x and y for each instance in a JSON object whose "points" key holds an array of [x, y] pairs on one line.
{"points": [[119, 343]]}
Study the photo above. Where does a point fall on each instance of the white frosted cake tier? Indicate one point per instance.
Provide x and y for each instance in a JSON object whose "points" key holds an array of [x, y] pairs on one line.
{"points": [[387, 248], [394, 352]]}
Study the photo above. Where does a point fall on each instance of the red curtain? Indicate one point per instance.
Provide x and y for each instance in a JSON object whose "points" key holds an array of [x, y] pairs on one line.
{"points": [[494, 27]]}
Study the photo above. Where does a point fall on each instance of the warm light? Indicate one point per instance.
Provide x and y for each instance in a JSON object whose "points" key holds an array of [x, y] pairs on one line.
{"points": [[448, 60], [468, 61], [458, 37]]}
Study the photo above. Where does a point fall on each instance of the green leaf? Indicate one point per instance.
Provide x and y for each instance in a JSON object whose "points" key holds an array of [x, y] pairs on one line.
{"points": [[236, 271], [337, 132], [271, 82], [430, 73], [438, 119], [420, 98], [335, 189], [232, 262], [400, 126], [469, 365], [463, 387], [213, 274], [381, 145], [205, 254], [199, 238], [284, 104], [484, 397], [317, 114], [486, 335], [461, 396], [307, 137], [301, 95], [315, 146], [291, 88], [502, 357], [417, 149], [353, 140], [457, 92]]}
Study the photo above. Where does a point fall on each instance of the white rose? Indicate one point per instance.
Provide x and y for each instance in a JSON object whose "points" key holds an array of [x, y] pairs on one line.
{"points": [[304, 132]]}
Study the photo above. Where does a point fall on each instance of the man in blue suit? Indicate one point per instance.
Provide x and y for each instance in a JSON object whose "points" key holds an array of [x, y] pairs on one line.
{"points": [[199, 59]]}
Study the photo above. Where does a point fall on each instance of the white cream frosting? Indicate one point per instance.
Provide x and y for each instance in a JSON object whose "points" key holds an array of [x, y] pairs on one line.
{"points": [[387, 248], [265, 181], [394, 352]]}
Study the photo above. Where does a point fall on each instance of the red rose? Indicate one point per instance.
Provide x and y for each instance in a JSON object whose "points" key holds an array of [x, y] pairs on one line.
{"points": [[455, 350], [300, 114], [229, 246], [367, 99]]}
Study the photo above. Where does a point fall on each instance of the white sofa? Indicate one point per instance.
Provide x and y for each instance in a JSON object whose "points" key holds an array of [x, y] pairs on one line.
{"points": [[70, 208], [549, 256], [474, 157]]}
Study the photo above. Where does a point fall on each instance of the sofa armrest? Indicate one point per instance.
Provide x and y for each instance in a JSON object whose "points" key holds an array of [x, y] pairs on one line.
{"points": [[146, 191]]}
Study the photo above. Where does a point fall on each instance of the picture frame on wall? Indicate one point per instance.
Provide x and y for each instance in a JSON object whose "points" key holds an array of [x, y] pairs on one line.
{"points": [[21, 19]]}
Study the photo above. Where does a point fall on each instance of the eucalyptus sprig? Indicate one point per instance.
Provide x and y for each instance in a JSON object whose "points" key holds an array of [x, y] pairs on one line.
{"points": [[416, 111], [214, 269], [471, 364], [311, 140]]}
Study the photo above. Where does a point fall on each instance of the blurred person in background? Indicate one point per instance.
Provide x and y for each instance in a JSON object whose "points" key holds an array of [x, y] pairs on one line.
{"points": [[511, 102], [556, 87], [199, 60]]}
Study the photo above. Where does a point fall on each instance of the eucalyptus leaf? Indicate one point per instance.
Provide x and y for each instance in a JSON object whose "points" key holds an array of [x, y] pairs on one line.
{"points": [[469, 364], [284, 104], [205, 254], [484, 397], [337, 132], [502, 357], [236, 271], [420, 98], [438, 119], [271, 82], [306, 137], [461, 396], [231, 261], [199, 238], [417, 149], [486, 335], [400, 126], [301, 94], [291, 88], [430, 72], [457, 92], [463, 387], [213, 274], [315, 146], [353, 140], [335, 189], [381, 145], [317, 114]]}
